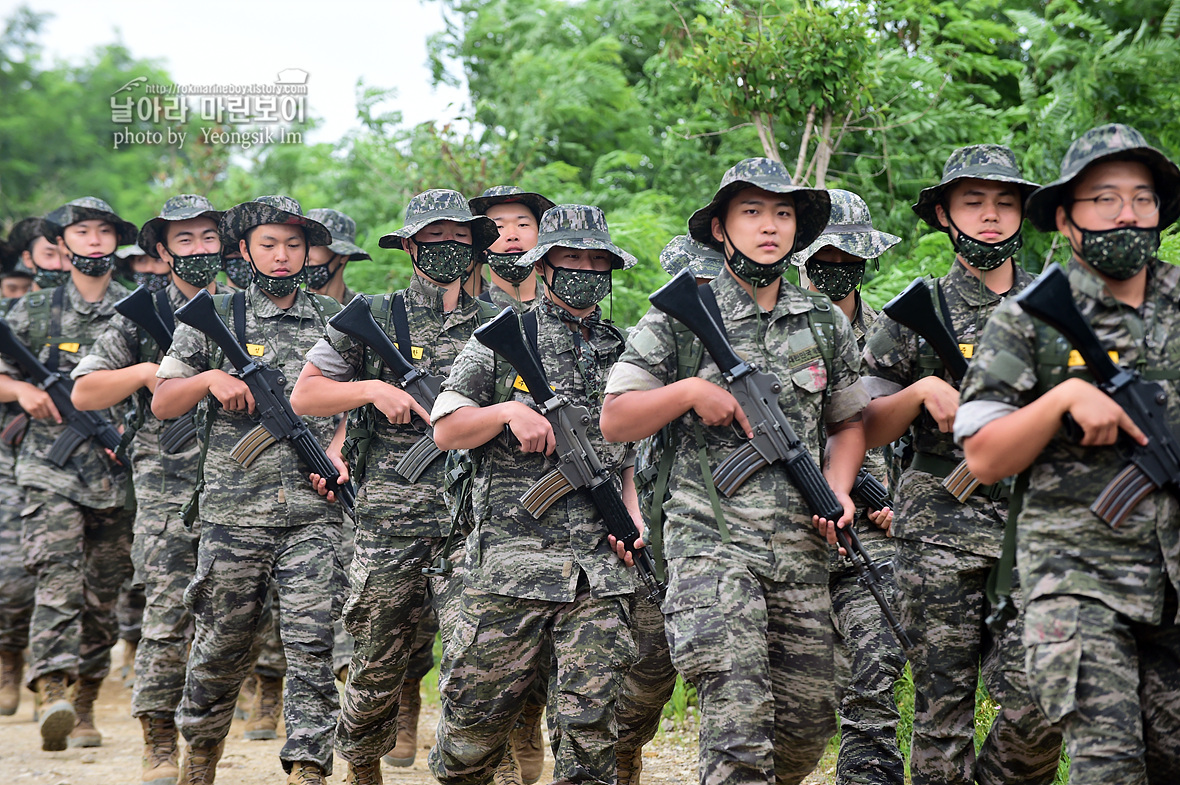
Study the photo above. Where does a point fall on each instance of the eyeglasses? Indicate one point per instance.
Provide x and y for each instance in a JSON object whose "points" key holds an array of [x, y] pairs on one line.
{"points": [[1144, 204]]}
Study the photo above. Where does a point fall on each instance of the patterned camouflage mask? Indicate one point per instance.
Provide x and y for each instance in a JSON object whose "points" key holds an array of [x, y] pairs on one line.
{"points": [[94, 266], [153, 282], [239, 271], [579, 289], [279, 287], [47, 279], [984, 256], [1121, 252], [752, 272], [198, 269], [835, 279], [508, 267], [444, 261], [318, 275]]}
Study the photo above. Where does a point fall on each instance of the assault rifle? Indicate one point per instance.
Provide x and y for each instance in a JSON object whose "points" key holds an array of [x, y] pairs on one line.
{"points": [[79, 425], [578, 465], [774, 439], [140, 308], [356, 321], [870, 491], [276, 420], [1152, 466], [914, 308]]}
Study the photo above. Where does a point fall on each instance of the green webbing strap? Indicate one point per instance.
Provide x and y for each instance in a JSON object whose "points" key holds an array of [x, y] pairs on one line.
{"points": [[999, 580], [707, 474], [655, 517]]}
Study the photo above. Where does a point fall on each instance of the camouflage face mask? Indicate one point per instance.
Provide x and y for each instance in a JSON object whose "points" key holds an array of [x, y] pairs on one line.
{"points": [[153, 282], [579, 289], [198, 269], [318, 275], [505, 265], [444, 261], [752, 272], [835, 279], [94, 266], [984, 256], [239, 271], [47, 279], [1121, 252], [279, 287]]}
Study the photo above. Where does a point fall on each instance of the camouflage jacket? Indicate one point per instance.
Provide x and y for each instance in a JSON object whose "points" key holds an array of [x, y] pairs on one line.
{"points": [[7, 412], [387, 503], [895, 358], [769, 523], [89, 477], [1063, 548], [275, 490], [508, 551], [162, 481]]}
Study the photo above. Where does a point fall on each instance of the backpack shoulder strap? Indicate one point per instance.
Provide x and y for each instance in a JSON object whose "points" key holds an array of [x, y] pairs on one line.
{"points": [[823, 321]]}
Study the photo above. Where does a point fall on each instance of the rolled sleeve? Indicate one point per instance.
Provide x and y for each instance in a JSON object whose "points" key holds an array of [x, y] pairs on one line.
{"points": [[628, 377], [448, 402], [91, 363], [324, 356], [973, 415], [172, 368], [846, 402]]}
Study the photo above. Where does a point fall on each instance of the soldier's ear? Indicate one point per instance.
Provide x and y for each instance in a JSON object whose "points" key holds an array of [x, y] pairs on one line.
{"points": [[940, 214], [715, 228], [244, 249], [1062, 219]]}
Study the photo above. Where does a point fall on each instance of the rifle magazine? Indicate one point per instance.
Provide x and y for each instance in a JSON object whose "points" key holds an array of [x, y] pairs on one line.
{"points": [[418, 458], [65, 445], [1122, 494], [178, 434], [737, 467], [544, 492], [250, 446], [961, 483]]}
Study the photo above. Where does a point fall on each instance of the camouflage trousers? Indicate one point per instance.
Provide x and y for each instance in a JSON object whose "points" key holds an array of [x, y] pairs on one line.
{"points": [[388, 595], [650, 681], [760, 655], [1112, 685], [490, 664], [869, 661], [226, 597], [80, 557], [941, 604], [129, 608], [16, 583]]}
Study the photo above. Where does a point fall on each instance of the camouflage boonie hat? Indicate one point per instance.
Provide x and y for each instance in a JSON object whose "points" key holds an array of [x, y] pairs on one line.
{"points": [[126, 252], [178, 208], [993, 162], [850, 229], [343, 230], [24, 232], [1106, 141], [90, 208], [812, 205], [240, 218], [683, 252], [443, 204], [576, 226], [506, 194]]}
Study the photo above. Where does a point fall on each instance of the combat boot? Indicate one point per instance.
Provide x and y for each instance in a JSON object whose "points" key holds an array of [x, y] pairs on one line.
{"points": [[364, 773], [11, 665], [628, 765], [406, 748], [199, 766], [57, 713], [508, 772], [84, 733], [159, 751], [305, 774], [266, 707], [527, 743]]}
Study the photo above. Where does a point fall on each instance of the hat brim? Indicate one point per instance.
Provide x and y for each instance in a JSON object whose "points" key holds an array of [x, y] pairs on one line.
{"points": [[863, 245], [622, 260], [535, 202], [154, 231], [351, 250], [931, 197], [813, 208], [483, 230], [1042, 204], [125, 231], [231, 234]]}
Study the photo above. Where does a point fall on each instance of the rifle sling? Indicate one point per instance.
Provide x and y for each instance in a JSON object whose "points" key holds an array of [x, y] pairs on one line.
{"points": [[401, 327], [57, 300], [164, 308]]}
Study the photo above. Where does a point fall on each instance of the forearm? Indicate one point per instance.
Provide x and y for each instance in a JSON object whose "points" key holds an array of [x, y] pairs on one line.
{"points": [[315, 395], [175, 397], [1009, 445], [469, 427], [635, 415], [103, 389], [887, 418], [844, 454], [631, 497]]}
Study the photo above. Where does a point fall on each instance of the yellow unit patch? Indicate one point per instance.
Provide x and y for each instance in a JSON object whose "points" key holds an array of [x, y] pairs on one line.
{"points": [[72, 348], [1075, 358], [967, 350], [415, 351], [519, 384], [254, 350]]}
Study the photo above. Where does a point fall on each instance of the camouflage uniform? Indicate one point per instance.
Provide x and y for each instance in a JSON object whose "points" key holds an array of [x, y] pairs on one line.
{"points": [[258, 522], [945, 550], [16, 583], [1101, 627], [76, 532], [749, 621], [534, 582], [401, 526]]}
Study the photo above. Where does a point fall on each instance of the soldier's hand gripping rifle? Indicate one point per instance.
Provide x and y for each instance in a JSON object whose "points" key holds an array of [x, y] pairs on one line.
{"points": [[80, 425], [1152, 466], [774, 439], [914, 308], [356, 321], [139, 307], [276, 420], [869, 490], [578, 465]]}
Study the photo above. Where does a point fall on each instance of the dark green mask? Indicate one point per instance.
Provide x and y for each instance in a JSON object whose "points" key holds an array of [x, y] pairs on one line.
{"points": [[47, 279], [279, 287], [984, 256], [444, 261], [506, 266], [198, 269], [580, 289], [239, 271], [835, 279], [1121, 252], [153, 282], [753, 273], [94, 266]]}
